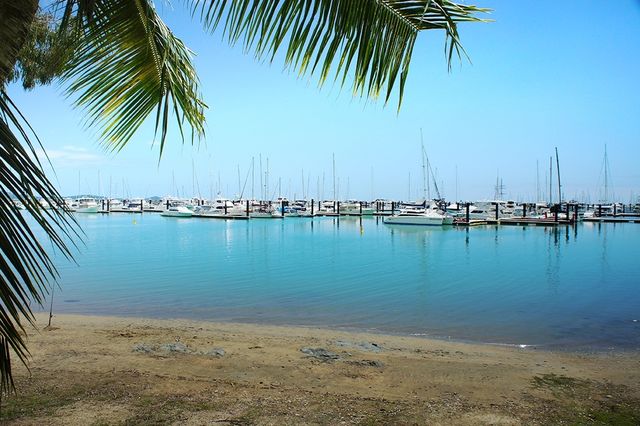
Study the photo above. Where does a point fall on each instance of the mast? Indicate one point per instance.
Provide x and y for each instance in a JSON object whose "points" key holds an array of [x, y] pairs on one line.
{"points": [[253, 177], [424, 171], [559, 186], [210, 186], [606, 175], [550, 180], [537, 181], [409, 199], [193, 179], [333, 156], [304, 196], [239, 183], [261, 186]]}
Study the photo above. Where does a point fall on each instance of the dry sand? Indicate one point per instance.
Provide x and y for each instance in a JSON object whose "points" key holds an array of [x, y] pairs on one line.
{"points": [[103, 370]]}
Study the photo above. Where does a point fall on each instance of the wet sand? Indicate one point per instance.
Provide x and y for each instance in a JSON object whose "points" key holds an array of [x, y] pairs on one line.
{"points": [[107, 370]]}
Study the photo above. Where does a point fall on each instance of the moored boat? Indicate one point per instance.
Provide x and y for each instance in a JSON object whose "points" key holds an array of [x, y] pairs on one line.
{"points": [[177, 211], [86, 205]]}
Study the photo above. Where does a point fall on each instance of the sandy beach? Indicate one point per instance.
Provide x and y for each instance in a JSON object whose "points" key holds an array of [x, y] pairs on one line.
{"points": [[107, 370]]}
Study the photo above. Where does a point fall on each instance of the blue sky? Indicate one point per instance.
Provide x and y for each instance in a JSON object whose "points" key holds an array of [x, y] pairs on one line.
{"points": [[543, 74]]}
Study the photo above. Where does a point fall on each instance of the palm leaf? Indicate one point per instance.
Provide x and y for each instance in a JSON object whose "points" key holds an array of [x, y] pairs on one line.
{"points": [[370, 40], [26, 270], [127, 65]]}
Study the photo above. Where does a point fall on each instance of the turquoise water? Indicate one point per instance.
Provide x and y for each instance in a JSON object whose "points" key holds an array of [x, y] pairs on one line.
{"points": [[567, 287]]}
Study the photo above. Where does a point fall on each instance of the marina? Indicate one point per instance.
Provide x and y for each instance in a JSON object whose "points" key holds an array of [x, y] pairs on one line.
{"points": [[568, 287], [457, 214]]}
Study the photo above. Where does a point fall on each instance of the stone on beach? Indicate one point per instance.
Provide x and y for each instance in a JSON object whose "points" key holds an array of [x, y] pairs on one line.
{"points": [[216, 352], [320, 354]]}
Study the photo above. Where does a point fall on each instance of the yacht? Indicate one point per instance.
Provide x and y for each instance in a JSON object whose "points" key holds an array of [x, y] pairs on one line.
{"points": [[417, 216], [177, 211], [86, 205], [355, 208]]}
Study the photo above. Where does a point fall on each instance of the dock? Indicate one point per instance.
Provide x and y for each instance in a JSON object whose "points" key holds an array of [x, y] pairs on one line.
{"points": [[612, 219]]}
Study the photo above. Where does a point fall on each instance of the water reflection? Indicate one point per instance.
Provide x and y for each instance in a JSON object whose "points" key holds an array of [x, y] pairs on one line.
{"points": [[504, 284]]}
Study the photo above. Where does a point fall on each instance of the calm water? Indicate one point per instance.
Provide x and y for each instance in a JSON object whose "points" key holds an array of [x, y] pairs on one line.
{"points": [[567, 287]]}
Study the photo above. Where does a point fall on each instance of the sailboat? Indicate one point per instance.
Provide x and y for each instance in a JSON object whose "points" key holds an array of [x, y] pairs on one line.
{"points": [[431, 214]]}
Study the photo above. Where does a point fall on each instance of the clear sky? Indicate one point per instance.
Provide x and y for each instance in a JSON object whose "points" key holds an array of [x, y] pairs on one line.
{"points": [[545, 74]]}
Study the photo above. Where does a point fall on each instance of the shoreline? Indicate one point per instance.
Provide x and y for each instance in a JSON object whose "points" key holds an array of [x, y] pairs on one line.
{"points": [[114, 370], [548, 347]]}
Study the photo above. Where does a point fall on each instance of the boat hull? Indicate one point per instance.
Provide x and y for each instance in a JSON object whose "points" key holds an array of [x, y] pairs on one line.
{"points": [[414, 220], [176, 214], [92, 209]]}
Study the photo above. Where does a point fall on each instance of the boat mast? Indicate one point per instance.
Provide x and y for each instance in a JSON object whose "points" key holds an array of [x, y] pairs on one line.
{"points": [[537, 181], [550, 180], [253, 177], [333, 156], [239, 184], [261, 186], [559, 186], [193, 179], [424, 171], [606, 175]]}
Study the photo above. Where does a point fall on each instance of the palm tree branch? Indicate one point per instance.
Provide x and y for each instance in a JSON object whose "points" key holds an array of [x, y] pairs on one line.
{"points": [[369, 42], [127, 65], [26, 268]]}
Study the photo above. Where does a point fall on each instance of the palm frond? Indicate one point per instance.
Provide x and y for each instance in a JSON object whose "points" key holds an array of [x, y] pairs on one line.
{"points": [[26, 269], [128, 64], [370, 40]]}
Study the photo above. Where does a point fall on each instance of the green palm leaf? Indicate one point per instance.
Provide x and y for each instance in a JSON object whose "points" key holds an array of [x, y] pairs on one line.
{"points": [[127, 65], [370, 40], [26, 270]]}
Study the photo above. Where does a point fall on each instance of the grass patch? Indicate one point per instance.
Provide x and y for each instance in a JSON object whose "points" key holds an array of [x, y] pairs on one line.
{"points": [[618, 415], [557, 381], [41, 403]]}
